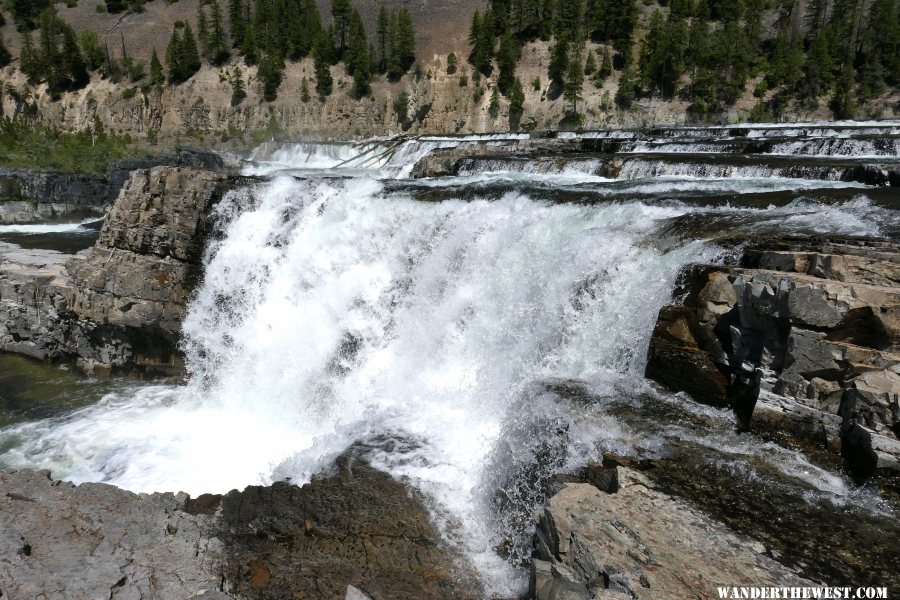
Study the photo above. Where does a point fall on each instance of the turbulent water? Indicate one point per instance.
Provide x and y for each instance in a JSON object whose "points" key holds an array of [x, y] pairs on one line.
{"points": [[435, 322]]}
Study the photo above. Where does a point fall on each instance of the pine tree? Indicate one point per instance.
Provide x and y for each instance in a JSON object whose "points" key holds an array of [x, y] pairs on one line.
{"points": [[574, 83], [559, 61], [494, 106], [322, 59], [5, 56], [73, 61], [340, 13], [238, 91], [451, 63], [156, 70], [481, 38], [190, 55], [202, 27], [304, 90], [516, 104], [271, 73], [383, 32], [217, 47], [236, 21], [590, 64], [627, 92], [174, 58], [843, 102], [357, 45], [406, 39], [29, 63], [92, 49], [362, 74], [507, 57]]}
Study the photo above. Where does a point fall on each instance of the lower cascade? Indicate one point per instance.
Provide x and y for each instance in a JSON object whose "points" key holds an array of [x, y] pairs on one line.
{"points": [[474, 336]]}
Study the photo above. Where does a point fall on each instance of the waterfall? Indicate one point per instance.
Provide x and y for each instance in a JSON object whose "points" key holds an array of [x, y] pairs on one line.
{"points": [[336, 311]]}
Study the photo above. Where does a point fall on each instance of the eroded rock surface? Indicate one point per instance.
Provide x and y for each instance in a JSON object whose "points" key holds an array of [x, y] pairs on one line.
{"points": [[58, 540], [802, 338], [120, 304], [639, 543]]}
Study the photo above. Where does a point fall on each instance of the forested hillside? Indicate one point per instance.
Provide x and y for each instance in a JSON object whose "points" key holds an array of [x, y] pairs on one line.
{"points": [[517, 63]]}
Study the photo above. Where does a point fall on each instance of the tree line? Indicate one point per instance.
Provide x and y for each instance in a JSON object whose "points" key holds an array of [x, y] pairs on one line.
{"points": [[265, 33], [701, 51]]}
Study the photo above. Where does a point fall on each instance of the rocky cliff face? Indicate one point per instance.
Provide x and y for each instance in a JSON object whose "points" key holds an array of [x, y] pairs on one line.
{"points": [[800, 339], [120, 304]]}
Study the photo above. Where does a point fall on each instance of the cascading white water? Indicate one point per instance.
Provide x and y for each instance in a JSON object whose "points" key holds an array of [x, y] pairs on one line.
{"points": [[334, 311]]}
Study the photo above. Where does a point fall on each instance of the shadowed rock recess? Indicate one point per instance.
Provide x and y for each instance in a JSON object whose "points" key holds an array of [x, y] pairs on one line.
{"points": [[801, 340]]}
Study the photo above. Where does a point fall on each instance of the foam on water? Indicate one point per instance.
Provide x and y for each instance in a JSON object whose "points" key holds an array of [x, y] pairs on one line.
{"points": [[51, 227]]}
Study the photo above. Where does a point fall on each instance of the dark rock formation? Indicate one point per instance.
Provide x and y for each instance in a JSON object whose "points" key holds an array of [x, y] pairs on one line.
{"points": [[358, 527], [120, 304], [802, 338], [639, 543]]}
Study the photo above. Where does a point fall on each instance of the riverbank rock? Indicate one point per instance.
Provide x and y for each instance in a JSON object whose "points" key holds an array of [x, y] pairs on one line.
{"points": [[354, 533], [58, 540], [638, 543], [119, 305], [801, 339], [358, 527]]}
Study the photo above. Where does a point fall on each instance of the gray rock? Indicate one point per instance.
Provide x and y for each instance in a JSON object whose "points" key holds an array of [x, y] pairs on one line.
{"points": [[96, 541], [640, 543]]}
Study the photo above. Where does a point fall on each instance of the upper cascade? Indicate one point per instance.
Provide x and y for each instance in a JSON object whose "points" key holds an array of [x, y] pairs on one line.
{"points": [[866, 153]]}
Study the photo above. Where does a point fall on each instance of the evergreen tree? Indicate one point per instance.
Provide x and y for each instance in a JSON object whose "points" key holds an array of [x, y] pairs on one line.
{"points": [[73, 61], [843, 102], [322, 59], [173, 57], [494, 105], [451, 63], [304, 90], [481, 38], [559, 61], [357, 45], [156, 71], [574, 83], [271, 73], [341, 11], [627, 90], [217, 46], [202, 27], [406, 39], [507, 57], [238, 91], [516, 104], [190, 56], [5, 56], [237, 22], [92, 49], [590, 64], [362, 74], [383, 32]]}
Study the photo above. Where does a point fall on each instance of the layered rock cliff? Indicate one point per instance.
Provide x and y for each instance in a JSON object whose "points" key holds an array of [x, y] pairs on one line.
{"points": [[801, 339], [119, 305]]}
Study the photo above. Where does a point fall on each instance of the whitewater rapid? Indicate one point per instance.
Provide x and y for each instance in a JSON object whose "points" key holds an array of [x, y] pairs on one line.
{"points": [[336, 311]]}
